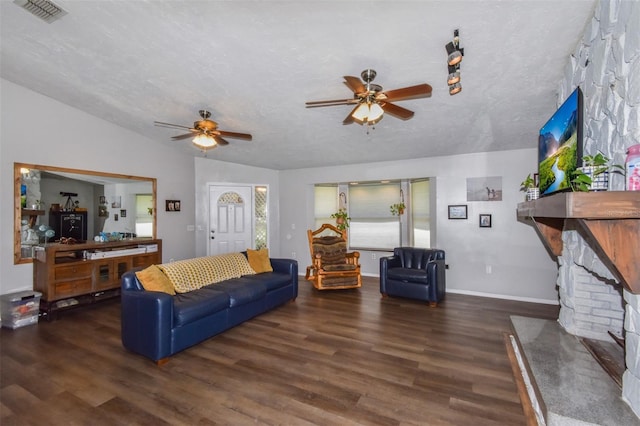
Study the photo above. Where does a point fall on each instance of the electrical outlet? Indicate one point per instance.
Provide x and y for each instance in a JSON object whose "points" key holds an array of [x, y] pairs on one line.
{"points": [[293, 254], [488, 269], [373, 256]]}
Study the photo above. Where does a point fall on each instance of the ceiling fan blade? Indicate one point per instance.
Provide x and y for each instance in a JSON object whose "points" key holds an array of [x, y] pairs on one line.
{"points": [[185, 136], [412, 92], [355, 84], [236, 135], [396, 111], [173, 126], [315, 104], [220, 141], [349, 119]]}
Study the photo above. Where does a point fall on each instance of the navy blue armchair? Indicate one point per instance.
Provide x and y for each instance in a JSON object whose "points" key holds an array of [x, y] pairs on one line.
{"points": [[414, 273]]}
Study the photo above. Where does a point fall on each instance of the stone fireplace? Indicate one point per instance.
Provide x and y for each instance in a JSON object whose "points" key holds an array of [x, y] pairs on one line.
{"points": [[596, 300], [593, 305], [606, 65]]}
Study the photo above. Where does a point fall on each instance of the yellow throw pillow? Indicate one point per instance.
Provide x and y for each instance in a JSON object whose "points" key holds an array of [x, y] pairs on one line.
{"points": [[153, 279], [259, 260]]}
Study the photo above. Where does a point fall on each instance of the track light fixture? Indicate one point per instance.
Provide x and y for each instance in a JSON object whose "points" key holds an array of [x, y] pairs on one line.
{"points": [[453, 49], [455, 88], [454, 57], [454, 75]]}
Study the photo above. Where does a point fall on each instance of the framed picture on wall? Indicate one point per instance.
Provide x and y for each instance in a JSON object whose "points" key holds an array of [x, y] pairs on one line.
{"points": [[458, 211], [485, 221], [172, 205]]}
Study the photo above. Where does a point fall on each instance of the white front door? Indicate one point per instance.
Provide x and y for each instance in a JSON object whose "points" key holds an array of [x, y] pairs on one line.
{"points": [[230, 219]]}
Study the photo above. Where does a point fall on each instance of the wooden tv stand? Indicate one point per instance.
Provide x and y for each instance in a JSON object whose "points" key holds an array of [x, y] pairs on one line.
{"points": [[70, 275]]}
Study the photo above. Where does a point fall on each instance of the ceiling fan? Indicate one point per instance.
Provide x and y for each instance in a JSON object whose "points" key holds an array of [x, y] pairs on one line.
{"points": [[205, 132], [371, 102]]}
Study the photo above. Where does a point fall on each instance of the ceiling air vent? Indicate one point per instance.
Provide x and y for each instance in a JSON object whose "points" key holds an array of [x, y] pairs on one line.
{"points": [[43, 9]]}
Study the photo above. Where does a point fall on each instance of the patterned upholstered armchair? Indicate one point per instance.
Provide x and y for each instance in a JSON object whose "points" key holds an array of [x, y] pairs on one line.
{"points": [[332, 267]]}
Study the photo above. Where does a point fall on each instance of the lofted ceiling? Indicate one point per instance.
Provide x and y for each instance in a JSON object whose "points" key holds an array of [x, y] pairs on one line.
{"points": [[254, 64]]}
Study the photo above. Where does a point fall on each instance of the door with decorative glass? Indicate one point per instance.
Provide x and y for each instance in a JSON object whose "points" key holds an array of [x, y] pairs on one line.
{"points": [[230, 219]]}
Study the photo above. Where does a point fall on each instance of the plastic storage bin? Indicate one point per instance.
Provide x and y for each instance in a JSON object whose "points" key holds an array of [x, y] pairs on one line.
{"points": [[20, 309]]}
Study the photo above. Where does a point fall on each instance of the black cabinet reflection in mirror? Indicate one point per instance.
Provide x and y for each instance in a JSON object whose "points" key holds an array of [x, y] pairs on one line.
{"points": [[44, 184]]}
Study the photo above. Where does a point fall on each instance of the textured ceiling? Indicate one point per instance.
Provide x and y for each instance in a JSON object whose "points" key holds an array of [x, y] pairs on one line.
{"points": [[253, 64]]}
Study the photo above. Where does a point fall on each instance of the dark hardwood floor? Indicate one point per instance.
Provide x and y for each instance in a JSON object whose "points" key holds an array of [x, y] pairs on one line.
{"points": [[330, 358]]}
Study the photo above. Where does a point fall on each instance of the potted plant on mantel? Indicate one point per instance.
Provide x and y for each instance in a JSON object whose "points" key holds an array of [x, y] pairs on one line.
{"points": [[397, 209], [528, 186], [342, 219], [594, 173]]}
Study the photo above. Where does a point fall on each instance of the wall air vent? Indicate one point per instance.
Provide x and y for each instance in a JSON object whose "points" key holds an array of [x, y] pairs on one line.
{"points": [[43, 9]]}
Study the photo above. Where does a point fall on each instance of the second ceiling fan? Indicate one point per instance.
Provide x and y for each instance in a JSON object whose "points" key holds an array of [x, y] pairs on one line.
{"points": [[371, 102], [205, 133]]}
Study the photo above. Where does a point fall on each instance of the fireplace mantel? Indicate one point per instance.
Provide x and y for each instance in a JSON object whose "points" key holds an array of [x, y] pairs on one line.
{"points": [[611, 224]]}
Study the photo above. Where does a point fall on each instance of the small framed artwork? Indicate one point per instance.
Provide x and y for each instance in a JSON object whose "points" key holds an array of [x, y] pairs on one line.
{"points": [[172, 205], [116, 202], [485, 221], [123, 213], [458, 211]]}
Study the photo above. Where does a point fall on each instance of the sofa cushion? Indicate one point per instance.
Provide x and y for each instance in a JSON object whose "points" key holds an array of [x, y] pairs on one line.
{"points": [[259, 260], [192, 306], [153, 279], [241, 290], [271, 280], [409, 275], [192, 274]]}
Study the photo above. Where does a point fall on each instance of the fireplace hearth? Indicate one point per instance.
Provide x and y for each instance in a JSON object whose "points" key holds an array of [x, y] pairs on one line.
{"points": [[568, 384]]}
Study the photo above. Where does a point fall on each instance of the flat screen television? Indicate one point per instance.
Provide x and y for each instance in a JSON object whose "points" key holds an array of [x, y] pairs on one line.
{"points": [[560, 146]]}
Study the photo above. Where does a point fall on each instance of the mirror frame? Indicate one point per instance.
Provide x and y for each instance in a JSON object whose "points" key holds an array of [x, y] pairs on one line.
{"points": [[17, 213]]}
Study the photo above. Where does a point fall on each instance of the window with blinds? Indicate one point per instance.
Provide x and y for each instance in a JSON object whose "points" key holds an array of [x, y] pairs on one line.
{"points": [[144, 215], [326, 203], [372, 224]]}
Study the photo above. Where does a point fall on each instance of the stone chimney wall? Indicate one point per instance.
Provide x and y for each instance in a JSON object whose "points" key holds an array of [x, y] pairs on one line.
{"points": [[606, 65]]}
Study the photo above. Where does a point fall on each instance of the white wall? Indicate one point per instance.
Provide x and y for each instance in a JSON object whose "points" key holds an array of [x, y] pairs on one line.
{"points": [[66, 137], [36, 129], [213, 171], [521, 267]]}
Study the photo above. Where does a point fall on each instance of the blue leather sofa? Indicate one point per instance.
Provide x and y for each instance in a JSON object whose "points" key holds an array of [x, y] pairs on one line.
{"points": [[415, 273], [158, 325]]}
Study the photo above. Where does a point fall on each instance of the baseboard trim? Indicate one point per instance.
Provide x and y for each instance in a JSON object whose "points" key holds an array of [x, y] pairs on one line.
{"points": [[490, 295], [503, 296]]}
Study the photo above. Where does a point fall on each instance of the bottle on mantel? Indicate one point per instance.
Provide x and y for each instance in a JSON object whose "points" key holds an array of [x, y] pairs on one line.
{"points": [[632, 167]]}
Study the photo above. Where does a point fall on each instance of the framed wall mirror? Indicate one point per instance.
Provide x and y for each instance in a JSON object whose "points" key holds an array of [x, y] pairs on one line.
{"points": [[45, 196]]}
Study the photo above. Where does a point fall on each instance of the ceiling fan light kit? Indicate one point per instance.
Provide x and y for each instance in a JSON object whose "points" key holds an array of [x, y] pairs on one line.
{"points": [[368, 113], [204, 142], [454, 57]]}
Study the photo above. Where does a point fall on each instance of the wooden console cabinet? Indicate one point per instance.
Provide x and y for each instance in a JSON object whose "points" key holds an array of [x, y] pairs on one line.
{"points": [[73, 274]]}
